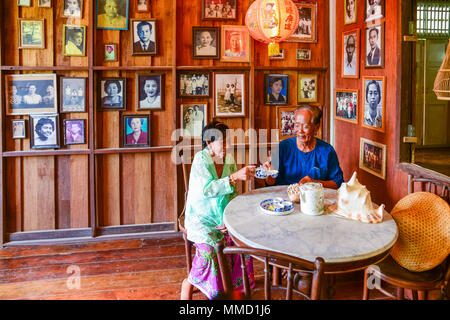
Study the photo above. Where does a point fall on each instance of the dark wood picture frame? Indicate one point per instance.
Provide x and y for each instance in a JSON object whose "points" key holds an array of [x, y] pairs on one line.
{"points": [[136, 3], [65, 122], [216, 30], [191, 73], [24, 126], [123, 91], [135, 49], [381, 47], [125, 118], [285, 79], [56, 130], [62, 107], [140, 90], [205, 17], [244, 97]]}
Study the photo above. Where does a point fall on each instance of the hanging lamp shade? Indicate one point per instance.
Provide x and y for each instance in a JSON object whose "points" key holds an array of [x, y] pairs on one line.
{"points": [[272, 21], [442, 81]]}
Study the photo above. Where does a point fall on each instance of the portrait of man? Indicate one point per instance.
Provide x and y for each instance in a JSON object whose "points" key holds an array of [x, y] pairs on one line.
{"points": [[205, 42], [74, 40], [73, 94], [374, 52], [74, 131], [373, 107], [143, 37], [136, 130], [112, 14], [350, 11], [374, 9], [73, 8], [45, 131], [350, 63]]}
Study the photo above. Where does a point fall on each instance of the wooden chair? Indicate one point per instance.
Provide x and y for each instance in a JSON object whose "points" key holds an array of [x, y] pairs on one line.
{"points": [[281, 261], [439, 188]]}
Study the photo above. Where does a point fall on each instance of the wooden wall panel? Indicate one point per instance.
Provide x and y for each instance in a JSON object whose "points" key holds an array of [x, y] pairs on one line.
{"points": [[162, 188], [108, 190], [14, 199]]}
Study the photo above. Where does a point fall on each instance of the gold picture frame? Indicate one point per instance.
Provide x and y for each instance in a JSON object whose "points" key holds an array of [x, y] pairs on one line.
{"points": [[372, 157]]}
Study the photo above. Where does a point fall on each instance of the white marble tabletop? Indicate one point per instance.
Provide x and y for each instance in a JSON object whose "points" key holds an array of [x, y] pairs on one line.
{"points": [[333, 238]]}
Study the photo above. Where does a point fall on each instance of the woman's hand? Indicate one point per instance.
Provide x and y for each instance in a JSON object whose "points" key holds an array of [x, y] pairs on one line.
{"points": [[243, 174], [222, 229]]}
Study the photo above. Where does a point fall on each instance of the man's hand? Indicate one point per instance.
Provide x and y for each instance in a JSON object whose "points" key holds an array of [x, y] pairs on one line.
{"points": [[306, 180]]}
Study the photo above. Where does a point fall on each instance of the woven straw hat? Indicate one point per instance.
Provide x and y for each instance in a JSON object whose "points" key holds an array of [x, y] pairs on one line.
{"points": [[423, 221]]}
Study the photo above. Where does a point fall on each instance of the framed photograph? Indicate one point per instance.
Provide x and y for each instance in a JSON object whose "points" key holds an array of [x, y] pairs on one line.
{"points": [[194, 84], [372, 157], [143, 37], [346, 105], [142, 5], [112, 14], [279, 56], [350, 11], [24, 3], [205, 42], [112, 93], [350, 54], [374, 56], [72, 8], [31, 34], [193, 119], [276, 89], [111, 52], [219, 9], [374, 103], [73, 94], [74, 39], [307, 25], [74, 131], [18, 129], [44, 131], [303, 54], [31, 93], [229, 95], [374, 9], [307, 88], [136, 130], [285, 122], [45, 3], [235, 44], [150, 89]]}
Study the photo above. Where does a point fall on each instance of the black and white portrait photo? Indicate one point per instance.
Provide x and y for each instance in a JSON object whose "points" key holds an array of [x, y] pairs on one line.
{"points": [[193, 119], [350, 11], [74, 40], [73, 94], [18, 128], [150, 91], [143, 35], [350, 63], [44, 131], [374, 56], [205, 42], [374, 102], [374, 9], [195, 84], [111, 93], [142, 5], [72, 8]]}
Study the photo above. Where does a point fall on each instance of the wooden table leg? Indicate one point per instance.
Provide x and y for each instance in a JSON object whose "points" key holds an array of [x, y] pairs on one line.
{"points": [[276, 277]]}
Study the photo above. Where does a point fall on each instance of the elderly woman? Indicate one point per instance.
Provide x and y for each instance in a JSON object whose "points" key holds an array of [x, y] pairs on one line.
{"points": [[304, 158], [211, 187]]}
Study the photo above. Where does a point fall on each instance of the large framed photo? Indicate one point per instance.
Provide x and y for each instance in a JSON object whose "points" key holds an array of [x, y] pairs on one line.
{"points": [[112, 93], [30, 93], [346, 105], [143, 36], [31, 34], [374, 9], [74, 131], [350, 54], [350, 11], [372, 157], [235, 44], [286, 122], [45, 3], [112, 14], [74, 39], [142, 5], [276, 89], [219, 9], [229, 95], [193, 119], [150, 89], [24, 3], [194, 84], [44, 131], [18, 128], [307, 25], [374, 103], [374, 56], [73, 94], [307, 88], [136, 130], [72, 8], [205, 42]]}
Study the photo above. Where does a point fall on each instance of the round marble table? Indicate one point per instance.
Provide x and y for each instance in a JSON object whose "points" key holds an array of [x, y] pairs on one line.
{"points": [[345, 245]]}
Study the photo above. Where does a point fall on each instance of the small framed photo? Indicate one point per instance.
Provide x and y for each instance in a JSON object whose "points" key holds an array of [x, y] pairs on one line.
{"points": [[193, 119], [44, 131], [45, 3], [136, 130], [112, 93], [74, 39], [111, 52], [276, 89], [346, 105], [285, 122], [374, 56], [74, 131], [279, 56], [303, 54], [18, 129], [24, 3], [194, 84], [205, 42], [112, 14], [374, 10], [142, 5], [73, 94], [150, 89], [307, 25], [350, 54], [143, 36], [219, 9], [235, 44], [72, 8], [374, 103], [307, 88], [31, 94], [350, 11], [229, 95], [31, 34], [372, 157]]}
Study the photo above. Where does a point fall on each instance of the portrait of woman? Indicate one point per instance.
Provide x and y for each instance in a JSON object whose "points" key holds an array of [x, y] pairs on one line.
{"points": [[44, 131], [14, 98], [276, 86], [149, 88], [374, 103], [32, 97], [112, 96], [350, 11], [205, 42], [74, 131], [72, 8], [49, 98], [143, 5], [137, 130], [112, 14]]}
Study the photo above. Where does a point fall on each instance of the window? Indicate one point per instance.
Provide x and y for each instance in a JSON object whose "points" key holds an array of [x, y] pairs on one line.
{"points": [[433, 19]]}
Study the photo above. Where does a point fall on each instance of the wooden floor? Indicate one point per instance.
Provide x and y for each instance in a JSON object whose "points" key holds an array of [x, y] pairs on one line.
{"points": [[119, 269]]}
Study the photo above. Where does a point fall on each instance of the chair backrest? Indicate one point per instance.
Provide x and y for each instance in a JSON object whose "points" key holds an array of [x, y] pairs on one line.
{"points": [[186, 161], [291, 264], [435, 186]]}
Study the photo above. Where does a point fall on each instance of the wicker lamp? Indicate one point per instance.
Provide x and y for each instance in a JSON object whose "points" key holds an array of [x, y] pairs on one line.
{"points": [[442, 81]]}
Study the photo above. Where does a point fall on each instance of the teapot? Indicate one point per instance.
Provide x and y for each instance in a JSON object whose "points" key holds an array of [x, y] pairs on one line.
{"points": [[311, 198]]}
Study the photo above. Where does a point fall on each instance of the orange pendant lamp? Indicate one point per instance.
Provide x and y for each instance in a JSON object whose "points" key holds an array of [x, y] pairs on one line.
{"points": [[272, 21]]}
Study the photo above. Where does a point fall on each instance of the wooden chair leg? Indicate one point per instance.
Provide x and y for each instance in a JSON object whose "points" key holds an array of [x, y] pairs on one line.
{"points": [[423, 295], [400, 293], [276, 277], [366, 289], [414, 295]]}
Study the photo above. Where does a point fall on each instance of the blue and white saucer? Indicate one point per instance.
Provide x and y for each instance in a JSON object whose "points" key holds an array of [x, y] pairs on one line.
{"points": [[261, 173], [276, 207]]}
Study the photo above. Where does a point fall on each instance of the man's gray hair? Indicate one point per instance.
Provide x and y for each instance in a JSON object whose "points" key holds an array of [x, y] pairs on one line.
{"points": [[315, 111]]}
